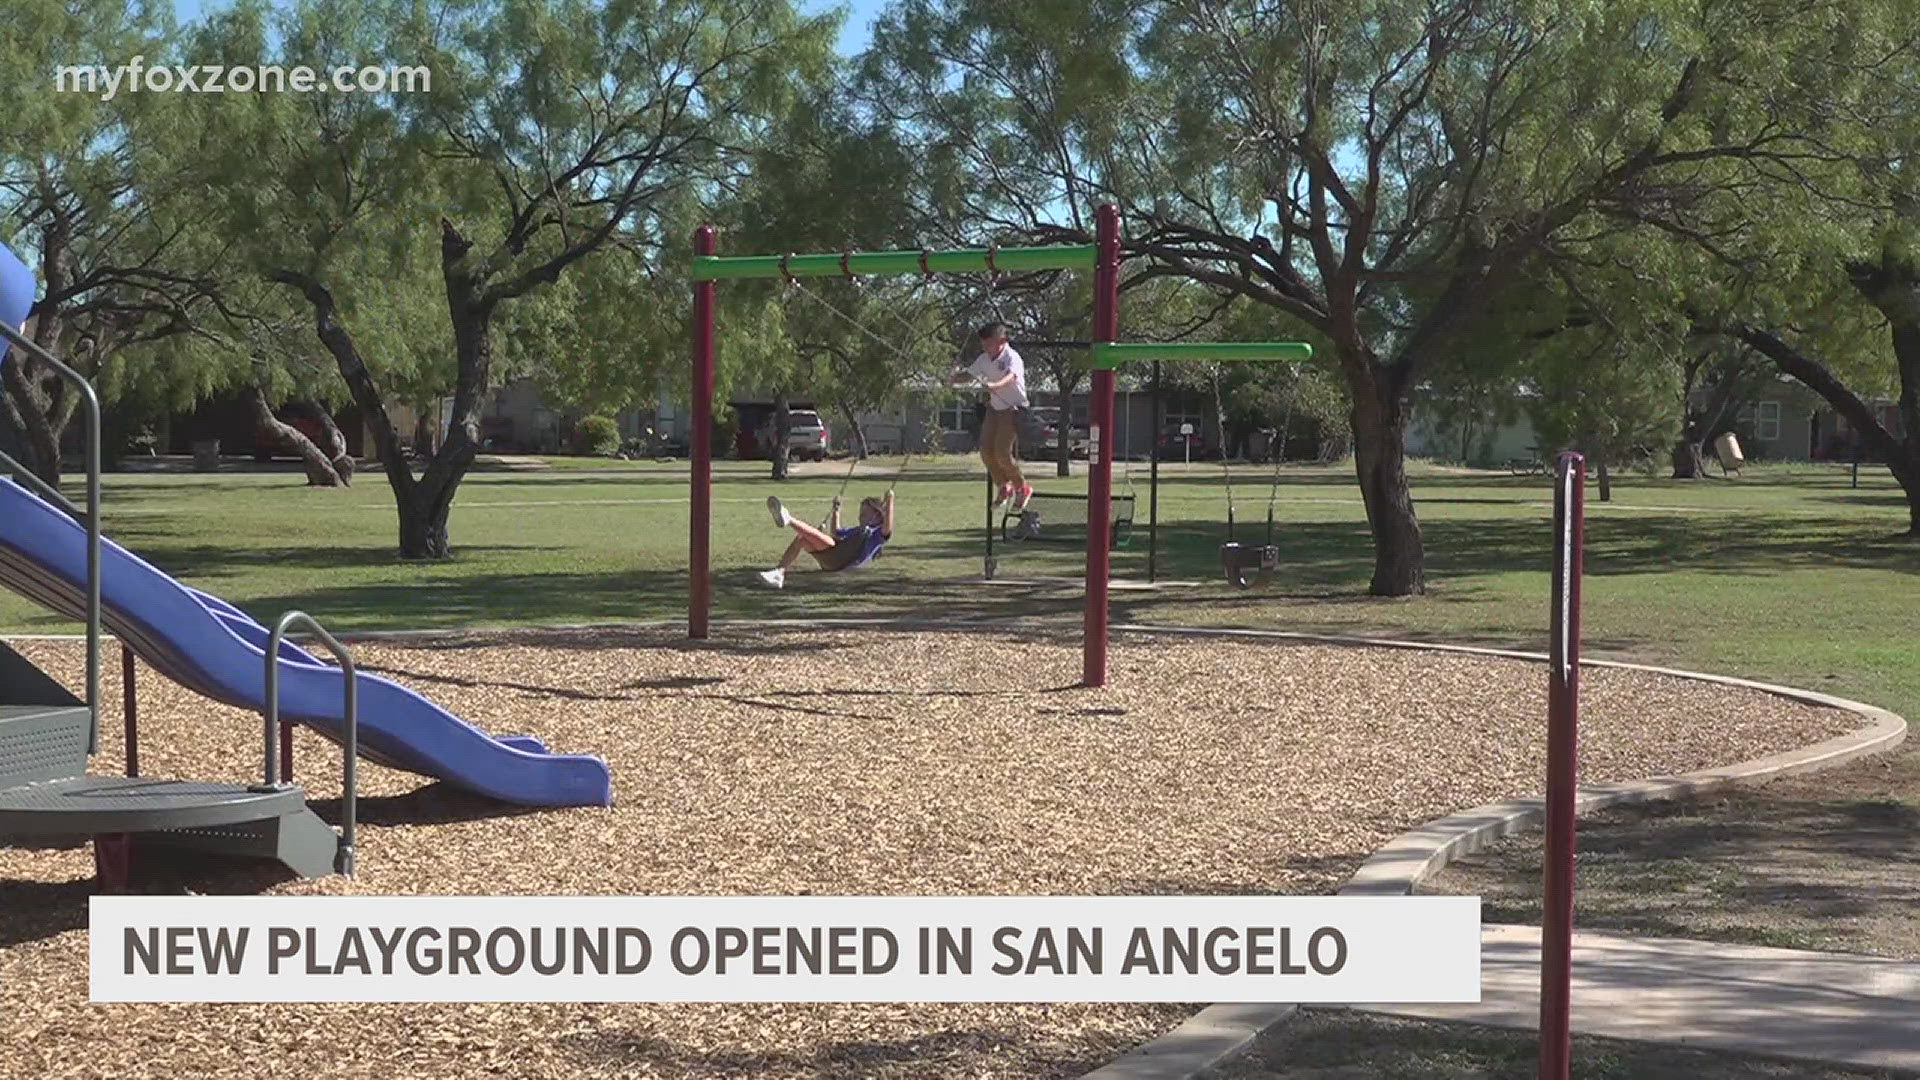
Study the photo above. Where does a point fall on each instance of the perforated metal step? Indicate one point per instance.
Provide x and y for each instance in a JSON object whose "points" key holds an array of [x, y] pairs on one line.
{"points": [[42, 742], [302, 842], [85, 805]]}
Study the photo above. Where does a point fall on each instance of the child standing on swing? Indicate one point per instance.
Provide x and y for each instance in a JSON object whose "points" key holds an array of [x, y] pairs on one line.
{"points": [[835, 548], [1001, 370]]}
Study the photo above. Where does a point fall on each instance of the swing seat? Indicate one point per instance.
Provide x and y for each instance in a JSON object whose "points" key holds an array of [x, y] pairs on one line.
{"points": [[1062, 517], [1237, 559]]}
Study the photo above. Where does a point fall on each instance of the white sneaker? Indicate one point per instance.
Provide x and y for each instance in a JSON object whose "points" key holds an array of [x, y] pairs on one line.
{"points": [[775, 577], [780, 515]]}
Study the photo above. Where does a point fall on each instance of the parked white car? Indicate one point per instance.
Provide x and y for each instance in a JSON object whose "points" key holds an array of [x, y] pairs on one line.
{"points": [[807, 436]]}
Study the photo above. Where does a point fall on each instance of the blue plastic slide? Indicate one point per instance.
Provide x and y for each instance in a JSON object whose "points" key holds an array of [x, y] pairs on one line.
{"points": [[214, 649], [16, 292]]}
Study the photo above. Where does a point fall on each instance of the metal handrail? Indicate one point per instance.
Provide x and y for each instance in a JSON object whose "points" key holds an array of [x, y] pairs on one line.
{"points": [[92, 400], [349, 796]]}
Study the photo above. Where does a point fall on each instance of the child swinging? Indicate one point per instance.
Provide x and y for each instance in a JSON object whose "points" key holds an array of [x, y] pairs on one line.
{"points": [[834, 548]]}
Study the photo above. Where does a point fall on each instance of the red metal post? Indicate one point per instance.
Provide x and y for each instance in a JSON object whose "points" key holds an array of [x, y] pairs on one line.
{"points": [[1106, 327], [112, 862], [699, 536], [129, 705], [1563, 729]]}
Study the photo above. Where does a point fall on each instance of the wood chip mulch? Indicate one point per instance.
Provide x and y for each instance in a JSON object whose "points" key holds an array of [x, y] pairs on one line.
{"points": [[842, 762]]}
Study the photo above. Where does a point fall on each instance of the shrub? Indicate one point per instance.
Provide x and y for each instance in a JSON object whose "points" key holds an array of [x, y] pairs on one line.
{"points": [[600, 435]]}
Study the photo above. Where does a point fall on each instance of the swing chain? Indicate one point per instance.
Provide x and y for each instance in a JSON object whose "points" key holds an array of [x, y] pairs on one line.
{"points": [[1220, 410], [1279, 453], [898, 352]]}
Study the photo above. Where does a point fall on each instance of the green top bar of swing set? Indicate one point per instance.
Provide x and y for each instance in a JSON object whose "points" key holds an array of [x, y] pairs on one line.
{"points": [[1111, 354], [961, 260]]}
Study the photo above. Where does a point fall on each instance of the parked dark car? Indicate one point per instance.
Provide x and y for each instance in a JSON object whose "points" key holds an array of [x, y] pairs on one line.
{"points": [[1041, 441]]}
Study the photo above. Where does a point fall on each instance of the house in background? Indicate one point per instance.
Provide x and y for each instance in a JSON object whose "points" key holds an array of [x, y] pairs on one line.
{"points": [[1487, 446], [1789, 422], [1836, 440], [1785, 421]]}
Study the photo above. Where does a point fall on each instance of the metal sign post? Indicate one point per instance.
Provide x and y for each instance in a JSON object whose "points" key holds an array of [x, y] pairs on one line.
{"points": [[1563, 733]]}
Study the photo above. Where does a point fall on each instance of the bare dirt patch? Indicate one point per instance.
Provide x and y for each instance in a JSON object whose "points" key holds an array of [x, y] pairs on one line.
{"points": [[1829, 861]]}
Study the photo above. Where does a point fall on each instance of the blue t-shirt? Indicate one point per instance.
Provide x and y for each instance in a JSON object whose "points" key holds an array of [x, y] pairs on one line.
{"points": [[869, 539], [16, 293]]}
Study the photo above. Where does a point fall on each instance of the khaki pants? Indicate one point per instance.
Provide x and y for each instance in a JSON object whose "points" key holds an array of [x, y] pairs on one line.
{"points": [[999, 433]]}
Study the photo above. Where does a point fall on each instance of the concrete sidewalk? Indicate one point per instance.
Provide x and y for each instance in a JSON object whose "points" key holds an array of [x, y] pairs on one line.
{"points": [[1832, 1007]]}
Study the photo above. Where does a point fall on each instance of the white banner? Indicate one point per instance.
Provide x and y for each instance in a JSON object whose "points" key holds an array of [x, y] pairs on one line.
{"points": [[1320, 949]]}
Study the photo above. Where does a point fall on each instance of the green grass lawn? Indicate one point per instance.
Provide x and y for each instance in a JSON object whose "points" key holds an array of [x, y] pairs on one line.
{"points": [[1787, 573]]}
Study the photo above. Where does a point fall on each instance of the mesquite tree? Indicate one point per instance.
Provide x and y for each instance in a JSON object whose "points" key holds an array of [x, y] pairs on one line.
{"points": [[553, 130], [1380, 172]]}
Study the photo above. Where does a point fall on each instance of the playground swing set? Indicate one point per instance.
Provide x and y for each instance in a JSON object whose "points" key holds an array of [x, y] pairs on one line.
{"points": [[1258, 560], [1244, 565], [1032, 521], [1107, 354]]}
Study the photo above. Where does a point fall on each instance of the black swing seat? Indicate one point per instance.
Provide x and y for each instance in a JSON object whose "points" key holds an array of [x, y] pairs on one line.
{"points": [[1238, 559], [1062, 517]]}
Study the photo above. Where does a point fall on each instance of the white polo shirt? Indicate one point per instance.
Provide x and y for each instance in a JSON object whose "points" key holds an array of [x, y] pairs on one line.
{"points": [[1014, 394]]}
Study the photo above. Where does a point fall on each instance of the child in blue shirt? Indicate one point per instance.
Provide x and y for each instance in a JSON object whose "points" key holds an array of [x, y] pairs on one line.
{"points": [[834, 548]]}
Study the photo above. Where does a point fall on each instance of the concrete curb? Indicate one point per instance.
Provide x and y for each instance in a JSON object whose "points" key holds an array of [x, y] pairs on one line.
{"points": [[1219, 1032]]}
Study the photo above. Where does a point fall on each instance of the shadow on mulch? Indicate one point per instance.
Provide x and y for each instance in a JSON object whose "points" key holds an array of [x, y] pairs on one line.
{"points": [[525, 688], [1293, 875], [920, 1055], [845, 1058], [36, 910], [431, 804]]}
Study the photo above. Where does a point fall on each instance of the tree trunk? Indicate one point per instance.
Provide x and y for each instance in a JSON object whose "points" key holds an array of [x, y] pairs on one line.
{"points": [[26, 414], [336, 448], [1379, 422], [1687, 461], [423, 503], [857, 441], [424, 510], [1606, 480], [782, 425], [320, 471], [422, 434], [1067, 378], [1902, 453]]}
